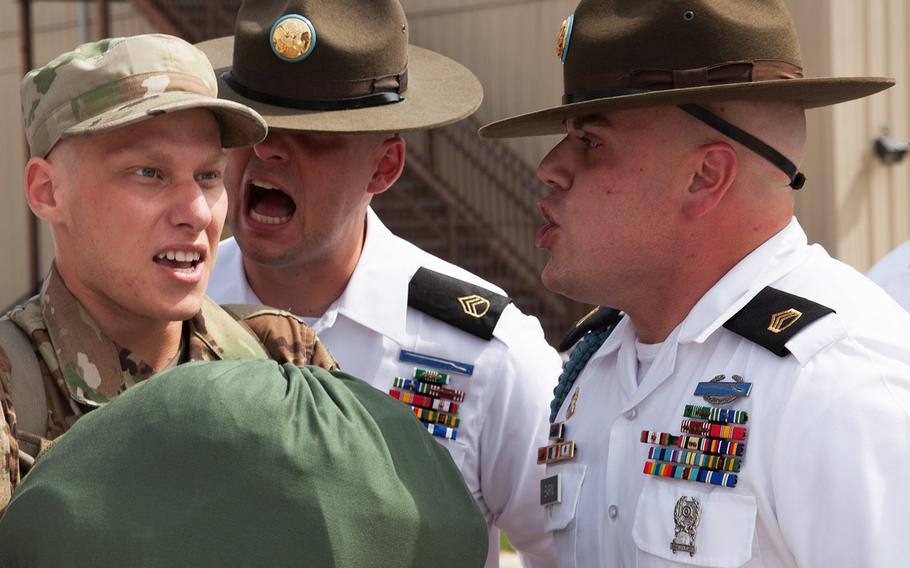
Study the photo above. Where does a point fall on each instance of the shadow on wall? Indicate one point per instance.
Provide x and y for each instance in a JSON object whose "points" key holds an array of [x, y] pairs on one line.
{"points": [[33, 292]]}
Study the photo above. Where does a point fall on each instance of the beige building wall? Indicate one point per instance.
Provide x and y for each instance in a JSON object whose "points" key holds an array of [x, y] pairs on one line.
{"points": [[56, 28], [855, 206], [509, 44]]}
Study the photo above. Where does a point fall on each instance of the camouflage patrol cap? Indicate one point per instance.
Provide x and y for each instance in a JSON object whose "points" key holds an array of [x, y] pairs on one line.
{"points": [[116, 82]]}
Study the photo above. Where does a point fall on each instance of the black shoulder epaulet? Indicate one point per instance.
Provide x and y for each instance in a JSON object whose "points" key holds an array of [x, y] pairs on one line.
{"points": [[595, 319], [468, 307], [773, 317]]}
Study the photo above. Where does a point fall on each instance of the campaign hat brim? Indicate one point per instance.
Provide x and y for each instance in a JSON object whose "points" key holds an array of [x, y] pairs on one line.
{"points": [[440, 91], [811, 92]]}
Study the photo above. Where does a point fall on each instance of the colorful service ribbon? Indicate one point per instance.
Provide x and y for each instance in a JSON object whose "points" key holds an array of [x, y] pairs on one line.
{"points": [[556, 452], [697, 459], [701, 428], [723, 415], [441, 431], [698, 474], [428, 376], [430, 389], [408, 397], [427, 415], [711, 445], [708, 445]]}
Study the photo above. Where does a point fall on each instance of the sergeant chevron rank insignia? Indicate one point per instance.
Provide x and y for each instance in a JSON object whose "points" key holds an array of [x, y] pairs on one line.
{"points": [[773, 317], [470, 308], [474, 305], [782, 320]]}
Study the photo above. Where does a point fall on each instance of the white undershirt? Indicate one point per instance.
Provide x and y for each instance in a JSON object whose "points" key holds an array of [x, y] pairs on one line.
{"points": [[646, 353]]}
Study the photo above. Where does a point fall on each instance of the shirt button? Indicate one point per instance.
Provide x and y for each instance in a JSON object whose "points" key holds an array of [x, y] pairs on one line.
{"points": [[631, 414], [613, 511]]}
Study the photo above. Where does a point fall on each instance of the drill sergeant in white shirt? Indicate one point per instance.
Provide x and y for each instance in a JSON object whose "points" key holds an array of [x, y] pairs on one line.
{"points": [[753, 406], [306, 239]]}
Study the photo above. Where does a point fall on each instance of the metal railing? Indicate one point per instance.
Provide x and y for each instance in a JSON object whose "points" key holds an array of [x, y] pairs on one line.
{"points": [[490, 194], [193, 20]]}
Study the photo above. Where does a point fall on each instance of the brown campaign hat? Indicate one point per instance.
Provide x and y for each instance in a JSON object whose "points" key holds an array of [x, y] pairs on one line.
{"points": [[623, 54], [342, 66]]}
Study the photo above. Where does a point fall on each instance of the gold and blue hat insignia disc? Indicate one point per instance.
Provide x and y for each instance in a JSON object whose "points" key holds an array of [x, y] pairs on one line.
{"points": [[293, 38], [565, 35]]}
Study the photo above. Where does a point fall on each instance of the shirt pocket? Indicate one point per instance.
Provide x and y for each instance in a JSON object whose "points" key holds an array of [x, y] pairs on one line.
{"points": [[560, 517], [571, 476], [723, 537]]}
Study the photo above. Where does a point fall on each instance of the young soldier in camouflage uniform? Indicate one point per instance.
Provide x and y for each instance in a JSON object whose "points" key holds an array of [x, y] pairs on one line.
{"points": [[125, 138]]}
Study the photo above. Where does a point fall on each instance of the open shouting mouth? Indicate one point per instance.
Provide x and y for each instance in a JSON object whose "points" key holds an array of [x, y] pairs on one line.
{"points": [[267, 204]]}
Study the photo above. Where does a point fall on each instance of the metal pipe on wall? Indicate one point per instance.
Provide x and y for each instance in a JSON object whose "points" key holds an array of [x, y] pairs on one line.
{"points": [[26, 63], [104, 19], [84, 36]]}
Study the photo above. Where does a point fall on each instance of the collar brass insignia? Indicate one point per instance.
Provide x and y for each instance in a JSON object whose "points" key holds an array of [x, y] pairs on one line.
{"points": [[782, 320], [474, 305], [586, 317]]}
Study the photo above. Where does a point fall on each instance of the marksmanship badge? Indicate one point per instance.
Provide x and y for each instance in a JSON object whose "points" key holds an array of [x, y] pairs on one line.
{"points": [[687, 515]]}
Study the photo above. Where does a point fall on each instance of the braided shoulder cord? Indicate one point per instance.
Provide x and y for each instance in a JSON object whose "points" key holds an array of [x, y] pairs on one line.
{"points": [[580, 356]]}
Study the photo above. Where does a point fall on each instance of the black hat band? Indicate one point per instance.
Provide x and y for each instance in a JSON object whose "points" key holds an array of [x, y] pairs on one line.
{"points": [[364, 101]]}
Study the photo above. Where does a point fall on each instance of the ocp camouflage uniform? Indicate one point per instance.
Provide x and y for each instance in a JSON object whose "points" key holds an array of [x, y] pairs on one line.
{"points": [[82, 369]]}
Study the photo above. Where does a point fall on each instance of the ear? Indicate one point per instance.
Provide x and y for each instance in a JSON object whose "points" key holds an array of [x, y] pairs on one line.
{"points": [[389, 166], [715, 172], [41, 189]]}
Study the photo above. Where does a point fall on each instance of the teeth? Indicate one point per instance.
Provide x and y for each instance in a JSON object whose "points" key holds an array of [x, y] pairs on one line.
{"points": [[269, 220], [263, 185], [180, 255]]}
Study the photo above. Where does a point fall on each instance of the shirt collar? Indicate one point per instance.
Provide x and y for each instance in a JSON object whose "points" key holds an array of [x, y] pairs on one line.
{"points": [[383, 271], [94, 368], [769, 262]]}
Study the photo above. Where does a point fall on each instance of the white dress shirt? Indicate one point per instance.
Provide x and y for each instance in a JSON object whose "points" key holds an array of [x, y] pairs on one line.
{"points": [[824, 480], [504, 413], [892, 273]]}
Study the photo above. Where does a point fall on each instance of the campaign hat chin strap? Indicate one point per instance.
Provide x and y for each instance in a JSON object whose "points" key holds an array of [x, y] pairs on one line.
{"points": [[797, 179]]}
